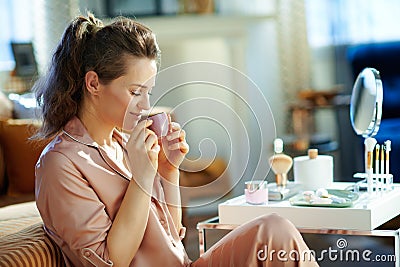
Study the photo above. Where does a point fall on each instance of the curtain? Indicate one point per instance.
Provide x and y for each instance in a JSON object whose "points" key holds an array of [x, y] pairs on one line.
{"points": [[293, 46], [50, 19], [294, 56]]}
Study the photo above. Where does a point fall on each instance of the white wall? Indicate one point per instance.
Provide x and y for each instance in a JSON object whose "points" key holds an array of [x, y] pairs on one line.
{"points": [[236, 123]]}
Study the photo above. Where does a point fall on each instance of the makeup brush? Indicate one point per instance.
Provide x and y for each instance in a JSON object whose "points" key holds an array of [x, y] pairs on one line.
{"points": [[382, 169], [382, 160], [388, 148], [369, 148], [280, 165], [377, 177]]}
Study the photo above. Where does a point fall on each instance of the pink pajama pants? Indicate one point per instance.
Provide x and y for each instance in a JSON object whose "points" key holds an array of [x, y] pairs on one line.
{"points": [[268, 240]]}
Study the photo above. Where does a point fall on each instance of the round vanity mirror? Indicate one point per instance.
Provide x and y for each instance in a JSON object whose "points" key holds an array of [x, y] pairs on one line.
{"points": [[366, 103]]}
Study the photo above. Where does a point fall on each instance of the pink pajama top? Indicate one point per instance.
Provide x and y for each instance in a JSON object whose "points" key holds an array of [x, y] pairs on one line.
{"points": [[79, 190]]}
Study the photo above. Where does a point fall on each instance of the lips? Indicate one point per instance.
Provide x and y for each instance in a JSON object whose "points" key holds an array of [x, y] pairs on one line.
{"points": [[131, 120], [135, 116]]}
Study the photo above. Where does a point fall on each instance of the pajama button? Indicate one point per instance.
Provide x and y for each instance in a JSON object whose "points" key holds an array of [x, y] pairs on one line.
{"points": [[87, 254]]}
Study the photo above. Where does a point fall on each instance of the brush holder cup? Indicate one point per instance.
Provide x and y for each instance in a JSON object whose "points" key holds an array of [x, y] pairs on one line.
{"points": [[381, 182], [256, 192]]}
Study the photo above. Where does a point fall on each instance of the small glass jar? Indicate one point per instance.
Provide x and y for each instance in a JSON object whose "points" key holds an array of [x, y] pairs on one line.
{"points": [[256, 192]]}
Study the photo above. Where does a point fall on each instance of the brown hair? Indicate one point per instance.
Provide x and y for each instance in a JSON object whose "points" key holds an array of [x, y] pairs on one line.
{"points": [[88, 45]]}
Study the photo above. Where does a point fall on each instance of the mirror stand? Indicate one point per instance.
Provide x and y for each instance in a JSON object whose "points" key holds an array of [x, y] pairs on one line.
{"points": [[365, 116]]}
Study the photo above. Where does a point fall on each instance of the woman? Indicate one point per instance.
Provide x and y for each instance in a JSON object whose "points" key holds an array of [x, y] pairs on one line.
{"points": [[107, 200]]}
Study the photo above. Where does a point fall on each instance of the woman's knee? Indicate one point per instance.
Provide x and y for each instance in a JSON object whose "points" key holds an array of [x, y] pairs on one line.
{"points": [[275, 224], [274, 220]]}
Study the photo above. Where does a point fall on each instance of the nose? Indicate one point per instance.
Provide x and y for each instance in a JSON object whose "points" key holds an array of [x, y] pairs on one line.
{"points": [[144, 102]]}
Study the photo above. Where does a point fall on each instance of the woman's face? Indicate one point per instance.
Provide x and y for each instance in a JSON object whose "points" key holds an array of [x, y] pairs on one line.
{"points": [[124, 99]]}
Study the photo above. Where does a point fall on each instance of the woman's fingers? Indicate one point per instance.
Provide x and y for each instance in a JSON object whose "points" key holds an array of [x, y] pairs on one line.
{"points": [[152, 146], [144, 140], [140, 129], [175, 126], [176, 132], [150, 139], [182, 146], [177, 138]]}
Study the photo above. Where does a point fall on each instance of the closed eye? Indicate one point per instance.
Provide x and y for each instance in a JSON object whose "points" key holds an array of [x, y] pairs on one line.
{"points": [[138, 92], [135, 93]]}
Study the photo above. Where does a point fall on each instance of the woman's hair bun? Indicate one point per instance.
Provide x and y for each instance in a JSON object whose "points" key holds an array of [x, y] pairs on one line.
{"points": [[97, 23], [87, 25]]}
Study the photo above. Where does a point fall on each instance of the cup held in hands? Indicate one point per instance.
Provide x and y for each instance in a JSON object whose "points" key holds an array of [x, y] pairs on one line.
{"points": [[160, 125]]}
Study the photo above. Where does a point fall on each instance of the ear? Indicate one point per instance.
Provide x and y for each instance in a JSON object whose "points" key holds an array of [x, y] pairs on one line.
{"points": [[92, 82]]}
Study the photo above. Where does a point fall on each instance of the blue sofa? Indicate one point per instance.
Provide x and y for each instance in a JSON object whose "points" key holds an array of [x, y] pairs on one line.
{"points": [[385, 57]]}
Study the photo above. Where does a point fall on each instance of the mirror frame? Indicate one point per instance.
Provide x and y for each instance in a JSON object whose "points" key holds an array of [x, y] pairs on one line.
{"points": [[375, 121]]}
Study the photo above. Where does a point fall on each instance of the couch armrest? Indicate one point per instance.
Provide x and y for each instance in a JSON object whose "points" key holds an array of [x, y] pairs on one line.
{"points": [[29, 247], [23, 241]]}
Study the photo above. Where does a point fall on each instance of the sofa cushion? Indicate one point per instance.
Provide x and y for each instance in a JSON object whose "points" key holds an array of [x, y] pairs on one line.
{"points": [[20, 154], [19, 211], [6, 112], [29, 247], [2, 171], [6, 107]]}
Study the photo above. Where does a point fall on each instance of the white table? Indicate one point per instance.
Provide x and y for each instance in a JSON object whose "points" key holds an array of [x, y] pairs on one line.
{"points": [[367, 213], [357, 224]]}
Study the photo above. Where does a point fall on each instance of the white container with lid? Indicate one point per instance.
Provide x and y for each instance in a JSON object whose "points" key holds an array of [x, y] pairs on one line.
{"points": [[313, 171]]}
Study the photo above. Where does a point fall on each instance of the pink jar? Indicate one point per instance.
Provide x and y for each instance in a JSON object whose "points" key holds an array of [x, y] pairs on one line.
{"points": [[256, 192]]}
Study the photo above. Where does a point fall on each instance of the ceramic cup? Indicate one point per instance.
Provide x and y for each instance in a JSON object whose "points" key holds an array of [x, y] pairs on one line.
{"points": [[256, 192], [160, 124]]}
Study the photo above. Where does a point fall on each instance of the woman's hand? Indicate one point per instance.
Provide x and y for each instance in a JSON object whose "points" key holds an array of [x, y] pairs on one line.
{"points": [[143, 150], [173, 150]]}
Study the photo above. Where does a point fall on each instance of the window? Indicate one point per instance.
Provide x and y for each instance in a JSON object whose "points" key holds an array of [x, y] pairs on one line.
{"points": [[16, 21], [337, 22]]}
